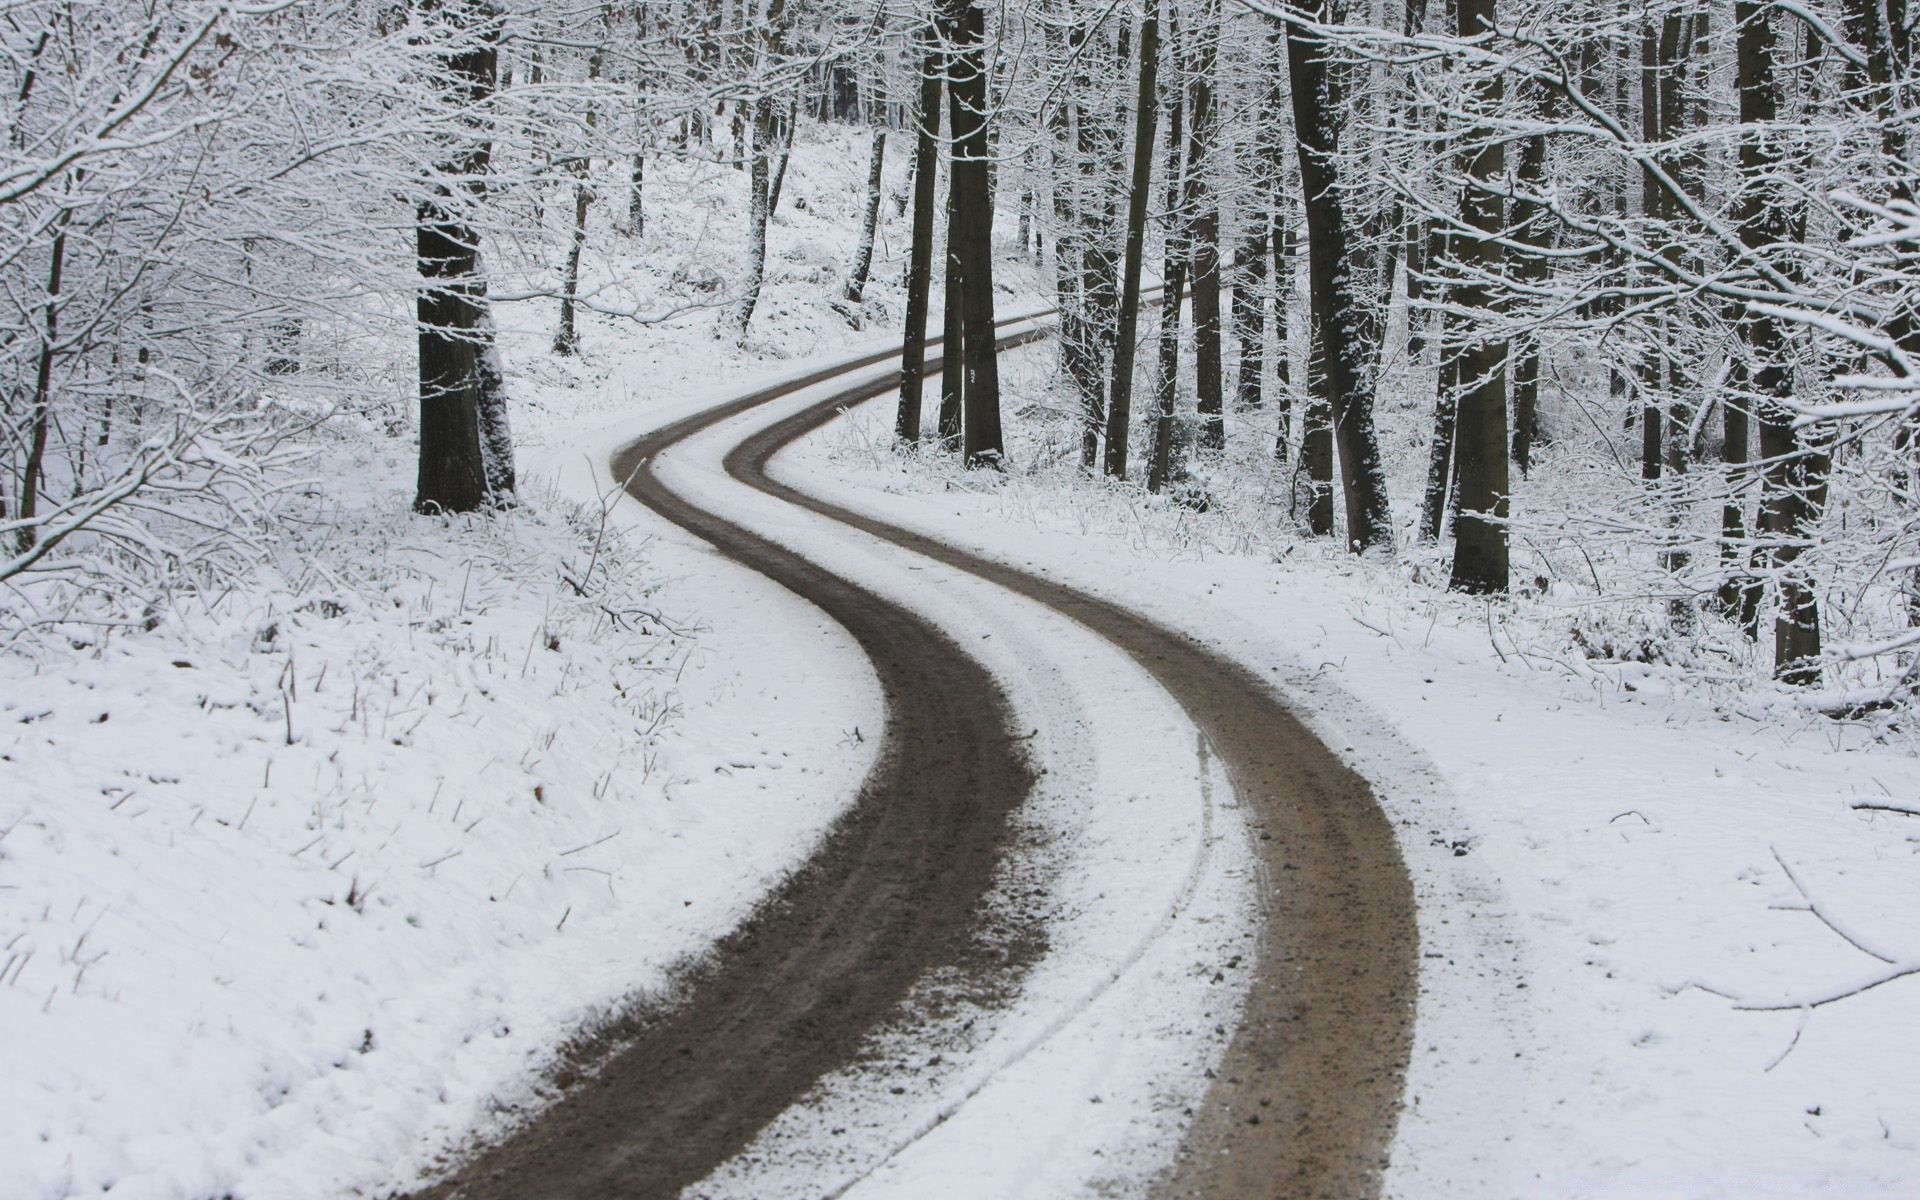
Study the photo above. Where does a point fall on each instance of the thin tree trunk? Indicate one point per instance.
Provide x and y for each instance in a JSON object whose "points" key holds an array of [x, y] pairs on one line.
{"points": [[28, 535], [1204, 213], [926, 151], [762, 191], [1174, 269], [1440, 450], [784, 127], [1249, 314], [567, 340], [1531, 226], [869, 229], [1282, 323], [636, 197]]}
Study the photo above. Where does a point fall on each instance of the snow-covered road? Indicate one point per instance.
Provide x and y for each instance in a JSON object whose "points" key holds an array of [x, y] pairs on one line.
{"points": [[1186, 846]]}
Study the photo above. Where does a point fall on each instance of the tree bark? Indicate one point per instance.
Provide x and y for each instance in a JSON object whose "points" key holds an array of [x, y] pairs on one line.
{"points": [[1792, 477], [450, 308], [636, 197], [971, 230], [759, 209], [1531, 224], [926, 153], [869, 229], [1174, 269], [1204, 211], [1120, 404], [1340, 321], [1480, 442]]}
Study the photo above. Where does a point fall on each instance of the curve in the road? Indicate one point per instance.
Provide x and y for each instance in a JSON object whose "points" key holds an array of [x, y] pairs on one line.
{"points": [[1306, 1100]]}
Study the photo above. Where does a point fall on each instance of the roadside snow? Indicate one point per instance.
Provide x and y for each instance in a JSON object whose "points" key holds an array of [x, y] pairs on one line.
{"points": [[308, 883], [304, 885]]}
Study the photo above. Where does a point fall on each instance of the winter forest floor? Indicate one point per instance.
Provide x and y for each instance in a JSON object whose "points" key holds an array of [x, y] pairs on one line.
{"points": [[309, 882]]}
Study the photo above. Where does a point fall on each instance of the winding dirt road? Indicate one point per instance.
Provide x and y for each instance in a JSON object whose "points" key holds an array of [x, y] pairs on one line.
{"points": [[1306, 1101]]}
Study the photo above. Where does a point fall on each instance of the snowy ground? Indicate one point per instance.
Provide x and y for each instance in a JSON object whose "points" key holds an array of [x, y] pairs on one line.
{"points": [[254, 946], [309, 881], [1601, 850]]}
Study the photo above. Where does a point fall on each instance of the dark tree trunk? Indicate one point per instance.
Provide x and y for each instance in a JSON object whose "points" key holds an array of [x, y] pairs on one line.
{"points": [[35, 466], [763, 192], [926, 152], [1250, 315], [971, 231], [452, 476], [1120, 406], [1204, 211], [1531, 223], [1480, 442], [953, 370], [1174, 269], [785, 122], [567, 340], [1446, 400], [1341, 322], [451, 306], [1793, 478]]}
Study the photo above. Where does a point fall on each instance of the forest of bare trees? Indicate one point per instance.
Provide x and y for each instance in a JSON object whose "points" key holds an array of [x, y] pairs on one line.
{"points": [[1617, 298]]}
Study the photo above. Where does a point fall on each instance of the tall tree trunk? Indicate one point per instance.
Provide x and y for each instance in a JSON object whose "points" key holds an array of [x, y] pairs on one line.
{"points": [[1531, 224], [1205, 238], [869, 229], [1174, 268], [971, 230], [1120, 405], [1071, 194], [35, 466], [759, 210], [926, 154], [1792, 477], [1340, 320], [953, 362], [762, 192], [450, 308], [1480, 455], [1282, 322], [567, 340], [1446, 408]]}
